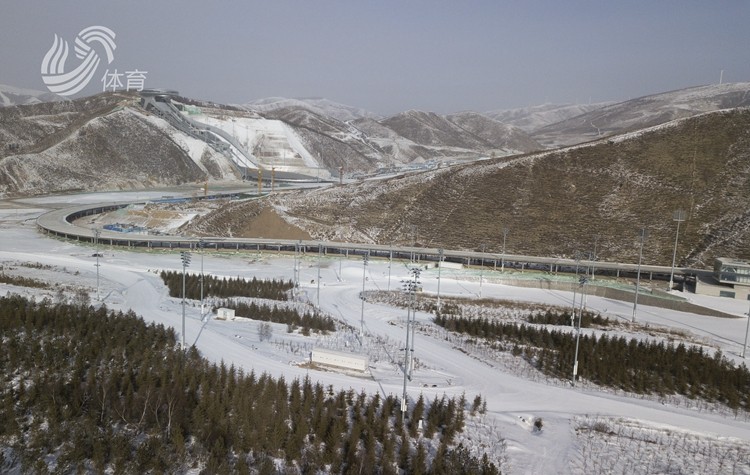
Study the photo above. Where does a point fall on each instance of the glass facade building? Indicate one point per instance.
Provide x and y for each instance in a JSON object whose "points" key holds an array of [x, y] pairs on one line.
{"points": [[732, 271]]}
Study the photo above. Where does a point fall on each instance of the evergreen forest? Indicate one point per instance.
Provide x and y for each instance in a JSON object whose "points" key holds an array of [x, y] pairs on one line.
{"points": [[86, 389], [289, 316], [636, 365], [223, 287]]}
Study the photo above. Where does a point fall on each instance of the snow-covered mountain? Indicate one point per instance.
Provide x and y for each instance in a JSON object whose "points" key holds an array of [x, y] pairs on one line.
{"points": [[561, 201], [292, 137], [16, 96], [493, 132], [319, 105], [100, 142], [532, 118], [468, 131], [644, 112]]}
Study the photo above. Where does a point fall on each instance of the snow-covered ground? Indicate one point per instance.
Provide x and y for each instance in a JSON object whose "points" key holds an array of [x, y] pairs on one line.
{"points": [[278, 141], [585, 430]]}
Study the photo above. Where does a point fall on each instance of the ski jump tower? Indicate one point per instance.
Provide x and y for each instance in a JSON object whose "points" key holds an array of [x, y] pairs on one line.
{"points": [[159, 102]]}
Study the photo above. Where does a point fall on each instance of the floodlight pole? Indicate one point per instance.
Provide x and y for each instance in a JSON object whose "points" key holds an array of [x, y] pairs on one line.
{"points": [[481, 270], [406, 364], [365, 257], [747, 330], [440, 266], [502, 258], [409, 286], [573, 317], [679, 216], [185, 258], [390, 262], [582, 283], [320, 255], [638, 277], [341, 254], [412, 286], [96, 243], [201, 245], [297, 265], [593, 259], [413, 242]]}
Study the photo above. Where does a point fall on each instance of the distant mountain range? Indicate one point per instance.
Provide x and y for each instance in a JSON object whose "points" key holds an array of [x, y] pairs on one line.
{"points": [[530, 119], [317, 105], [643, 112], [583, 199], [313, 137], [16, 96]]}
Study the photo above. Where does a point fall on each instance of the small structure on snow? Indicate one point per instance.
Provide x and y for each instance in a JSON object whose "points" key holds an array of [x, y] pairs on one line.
{"points": [[338, 359], [225, 313]]}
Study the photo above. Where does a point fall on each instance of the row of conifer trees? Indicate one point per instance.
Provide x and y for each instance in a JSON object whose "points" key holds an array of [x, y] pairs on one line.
{"points": [[290, 316], [637, 365], [225, 287], [90, 390]]}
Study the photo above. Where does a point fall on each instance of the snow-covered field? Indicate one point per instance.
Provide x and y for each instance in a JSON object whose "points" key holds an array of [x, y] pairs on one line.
{"points": [[586, 430]]}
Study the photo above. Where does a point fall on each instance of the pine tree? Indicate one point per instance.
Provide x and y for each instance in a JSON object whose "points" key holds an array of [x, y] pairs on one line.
{"points": [[418, 464], [416, 416]]}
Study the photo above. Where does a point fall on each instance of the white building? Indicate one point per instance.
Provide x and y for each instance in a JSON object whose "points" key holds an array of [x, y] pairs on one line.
{"points": [[731, 279], [225, 313], [339, 359]]}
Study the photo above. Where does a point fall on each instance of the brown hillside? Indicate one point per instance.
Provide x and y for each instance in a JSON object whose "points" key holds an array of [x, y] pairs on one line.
{"points": [[559, 203]]}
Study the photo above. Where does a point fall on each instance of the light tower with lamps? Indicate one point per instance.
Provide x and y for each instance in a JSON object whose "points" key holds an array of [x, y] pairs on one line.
{"points": [[582, 282], [644, 235], [297, 265], [578, 264], [410, 286], [201, 246], [317, 294], [97, 233], [440, 266], [365, 258], [747, 330], [185, 258], [506, 230], [679, 216], [481, 269]]}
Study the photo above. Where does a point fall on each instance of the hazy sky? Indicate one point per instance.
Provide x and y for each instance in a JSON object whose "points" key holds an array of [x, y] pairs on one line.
{"points": [[392, 55]]}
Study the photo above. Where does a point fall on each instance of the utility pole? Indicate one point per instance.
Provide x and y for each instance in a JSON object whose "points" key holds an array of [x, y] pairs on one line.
{"points": [[506, 230], [747, 330], [440, 266], [573, 317], [341, 257], [365, 257], [406, 364], [644, 234], [413, 229], [481, 270], [582, 283], [297, 265], [411, 286], [185, 258], [96, 244], [390, 263], [201, 245], [320, 254], [679, 216], [593, 259]]}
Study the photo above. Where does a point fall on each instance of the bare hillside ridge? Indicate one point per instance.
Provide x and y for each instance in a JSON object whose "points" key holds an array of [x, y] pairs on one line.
{"points": [[561, 202], [643, 112], [97, 143]]}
